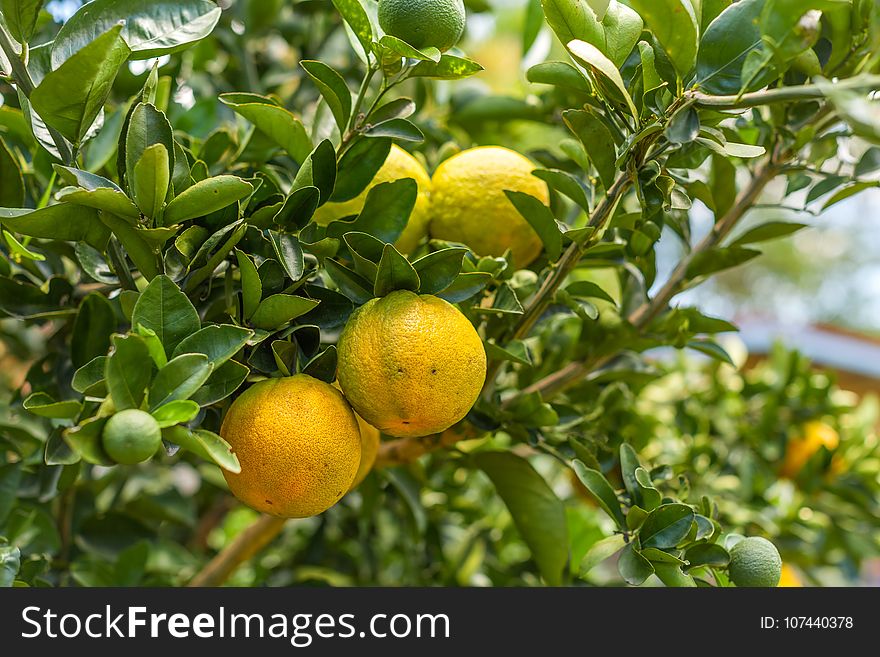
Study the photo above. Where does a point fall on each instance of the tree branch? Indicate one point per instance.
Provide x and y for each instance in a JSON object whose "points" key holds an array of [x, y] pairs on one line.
{"points": [[782, 94], [243, 547]]}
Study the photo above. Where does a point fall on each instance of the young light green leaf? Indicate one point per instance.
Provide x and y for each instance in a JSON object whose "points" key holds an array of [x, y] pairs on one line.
{"points": [[179, 411], [219, 343], [614, 29], [590, 56], [103, 198], [150, 180], [599, 552], [205, 444], [41, 404]]}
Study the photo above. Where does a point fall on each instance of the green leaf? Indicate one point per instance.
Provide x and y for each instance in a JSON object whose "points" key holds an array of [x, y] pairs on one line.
{"points": [[385, 214], [614, 29], [633, 567], [289, 253], [41, 404], [592, 57], [21, 17], [251, 286], [103, 198], [134, 240], [298, 208], [538, 514], [179, 379], [90, 374], [514, 351], [677, 28], [10, 562], [589, 290], [128, 371], [650, 497], [868, 163], [449, 67], [598, 485], [274, 121], [94, 323], [707, 554], [712, 349], [567, 184], [10, 478], [392, 48], [166, 310], [152, 29], [12, 190], [279, 309], [629, 463], [597, 140], [154, 345], [848, 191], [147, 126], [350, 283], [394, 273], [559, 74], [225, 380], [666, 526], [541, 219], [724, 47], [323, 366], [359, 166], [399, 129], [70, 223], [354, 14], [205, 197], [770, 231], [70, 98], [684, 126], [437, 271], [205, 444], [151, 179], [219, 343], [715, 260], [319, 170], [466, 286], [85, 440], [333, 88], [599, 552], [179, 411]]}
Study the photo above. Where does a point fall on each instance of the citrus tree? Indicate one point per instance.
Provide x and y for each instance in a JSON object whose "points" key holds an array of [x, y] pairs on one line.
{"points": [[299, 247]]}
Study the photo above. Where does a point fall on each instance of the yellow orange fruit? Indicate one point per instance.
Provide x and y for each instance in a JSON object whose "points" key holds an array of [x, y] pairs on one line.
{"points": [[410, 365], [298, 443], [468, 203], [799, 450]]}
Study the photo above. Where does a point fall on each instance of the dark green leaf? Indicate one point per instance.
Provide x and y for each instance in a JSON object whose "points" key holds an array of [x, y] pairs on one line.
{"points": [[179, 379], [127, 371], [277, 123], [541, 219], [597, 140], [151, 29], [596, 483], [394, 273], [166, 310], [12, 190], [70, 98], [385, 214], [707, 554], [715, 260], [41, 404], [438, 270], [358, 166], [666, 526], [633, 567], [537, 512], [465, 286], [223, 382], [219, 343], [333, 88], [289, 253], [205, 444], [279, 309]]}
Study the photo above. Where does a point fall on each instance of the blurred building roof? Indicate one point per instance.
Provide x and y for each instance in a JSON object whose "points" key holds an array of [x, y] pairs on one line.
{"points": [[854, 356]]}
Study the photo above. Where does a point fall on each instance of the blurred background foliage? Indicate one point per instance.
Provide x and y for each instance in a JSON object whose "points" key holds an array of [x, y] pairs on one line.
{"points": [[707, 427]]}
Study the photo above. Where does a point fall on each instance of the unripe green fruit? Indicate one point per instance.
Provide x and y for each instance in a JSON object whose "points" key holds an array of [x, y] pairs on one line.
{"points": [[424, 23], [131, 436], [755, 562]]}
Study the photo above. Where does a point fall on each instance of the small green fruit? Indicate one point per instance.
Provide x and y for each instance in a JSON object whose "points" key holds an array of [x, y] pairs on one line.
{"points": [[131, 436], [755, 562], [424, 23]]}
